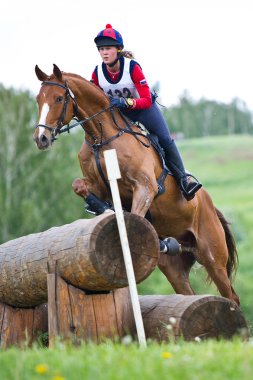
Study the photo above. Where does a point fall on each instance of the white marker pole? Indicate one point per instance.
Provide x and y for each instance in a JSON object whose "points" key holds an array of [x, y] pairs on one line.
{"points": [[113, 172]]}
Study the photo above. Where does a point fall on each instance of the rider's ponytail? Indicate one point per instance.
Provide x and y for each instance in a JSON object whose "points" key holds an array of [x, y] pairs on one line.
{"points": [[127, 54]]}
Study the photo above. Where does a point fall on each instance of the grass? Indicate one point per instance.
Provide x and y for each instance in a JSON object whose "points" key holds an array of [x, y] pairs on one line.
{"points": [[204, 360]]}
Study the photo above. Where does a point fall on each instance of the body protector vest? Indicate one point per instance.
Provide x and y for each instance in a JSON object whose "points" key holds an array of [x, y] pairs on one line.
{"points": [[124, 87]]}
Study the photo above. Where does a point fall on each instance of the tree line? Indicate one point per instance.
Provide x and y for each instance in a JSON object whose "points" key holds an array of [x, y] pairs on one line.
{"points": [[35, 186], [208, 117]]}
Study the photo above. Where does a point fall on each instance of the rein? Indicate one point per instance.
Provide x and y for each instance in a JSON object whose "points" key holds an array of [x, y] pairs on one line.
{"points": [[81, 122], [59, 128]]}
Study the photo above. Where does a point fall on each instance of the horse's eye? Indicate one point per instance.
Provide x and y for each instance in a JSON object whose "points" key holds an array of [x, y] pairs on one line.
{"points": [[59, 99]]}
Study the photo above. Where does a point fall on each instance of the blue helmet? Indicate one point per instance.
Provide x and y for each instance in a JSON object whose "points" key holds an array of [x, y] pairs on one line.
{"points": [[109, 37]]}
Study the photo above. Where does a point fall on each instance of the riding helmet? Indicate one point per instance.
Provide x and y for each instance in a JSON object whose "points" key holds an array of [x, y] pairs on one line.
{"points": [[109, 37]]}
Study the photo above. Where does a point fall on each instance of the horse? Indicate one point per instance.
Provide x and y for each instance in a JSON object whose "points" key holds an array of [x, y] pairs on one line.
{"points": [[200, 228]]}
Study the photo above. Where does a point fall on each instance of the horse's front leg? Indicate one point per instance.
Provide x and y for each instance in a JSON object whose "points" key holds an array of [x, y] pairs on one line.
{"points": [[80, 187], [95, 205], [143, 195]]}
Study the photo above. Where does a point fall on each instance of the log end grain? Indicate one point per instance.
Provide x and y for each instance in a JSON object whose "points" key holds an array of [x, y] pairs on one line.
{"points": [[213, 317], [107, 256]]}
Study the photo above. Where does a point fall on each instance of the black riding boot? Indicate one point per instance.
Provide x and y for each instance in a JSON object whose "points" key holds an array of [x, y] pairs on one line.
{"points": [[188, 184]]}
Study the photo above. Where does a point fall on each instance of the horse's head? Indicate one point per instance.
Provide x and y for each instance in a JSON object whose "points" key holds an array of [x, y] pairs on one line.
{"points": [[57, 106]]}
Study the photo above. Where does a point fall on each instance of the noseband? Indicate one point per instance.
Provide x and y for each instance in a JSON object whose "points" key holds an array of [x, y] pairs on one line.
{"points": [[68, 95]]}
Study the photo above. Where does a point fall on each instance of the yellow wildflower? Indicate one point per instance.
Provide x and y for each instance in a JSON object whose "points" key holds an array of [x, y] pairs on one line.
{"points": [[58, 377], [41, 368], [166, 355]]}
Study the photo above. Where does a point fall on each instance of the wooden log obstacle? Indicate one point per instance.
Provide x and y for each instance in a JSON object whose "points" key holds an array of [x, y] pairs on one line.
{"points": [[70, 281], [76, 316], [86, 253]]}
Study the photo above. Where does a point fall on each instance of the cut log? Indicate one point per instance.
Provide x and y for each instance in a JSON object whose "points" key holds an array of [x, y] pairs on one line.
{"points": [[191, 317], [75, 316], [86, 253], [22, 326]]}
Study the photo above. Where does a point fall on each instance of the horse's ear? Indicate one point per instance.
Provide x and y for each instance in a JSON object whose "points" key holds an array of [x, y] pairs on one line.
{"points": [[40, 75], [57, 72]]}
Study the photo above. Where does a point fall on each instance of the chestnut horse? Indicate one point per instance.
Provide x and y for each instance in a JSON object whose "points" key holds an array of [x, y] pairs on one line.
{"points": [[198, 226]]}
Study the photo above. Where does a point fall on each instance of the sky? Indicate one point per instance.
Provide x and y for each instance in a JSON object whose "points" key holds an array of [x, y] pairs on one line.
{"points": [[202, 46]]}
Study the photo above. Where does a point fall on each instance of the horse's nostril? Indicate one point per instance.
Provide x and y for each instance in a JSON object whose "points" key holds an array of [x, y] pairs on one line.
{"points": [[43, 139]]}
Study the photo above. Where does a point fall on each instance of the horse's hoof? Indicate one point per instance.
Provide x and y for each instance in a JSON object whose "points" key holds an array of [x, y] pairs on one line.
{"points": [[170, 246], [95, 206]]}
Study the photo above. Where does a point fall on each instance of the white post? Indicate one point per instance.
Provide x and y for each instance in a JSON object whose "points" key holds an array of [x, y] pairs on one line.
{"points": [[113, 173]]}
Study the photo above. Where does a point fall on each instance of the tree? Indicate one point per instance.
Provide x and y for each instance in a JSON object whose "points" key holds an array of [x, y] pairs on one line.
{"points": [[35, 186]]}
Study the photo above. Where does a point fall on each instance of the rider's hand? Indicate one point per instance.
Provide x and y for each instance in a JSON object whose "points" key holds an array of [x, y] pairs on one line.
{"points": [[119, 102]]}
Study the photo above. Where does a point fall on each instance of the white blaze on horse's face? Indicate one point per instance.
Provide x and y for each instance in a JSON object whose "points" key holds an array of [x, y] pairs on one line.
{"points": [[43, 117]]}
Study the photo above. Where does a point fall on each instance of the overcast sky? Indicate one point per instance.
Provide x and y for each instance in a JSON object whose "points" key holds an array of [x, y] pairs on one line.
{"points": [[204, 46]]}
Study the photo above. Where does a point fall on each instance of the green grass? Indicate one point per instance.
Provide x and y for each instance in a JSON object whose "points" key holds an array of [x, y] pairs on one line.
{"points": [[225, 167], [204, 360]]}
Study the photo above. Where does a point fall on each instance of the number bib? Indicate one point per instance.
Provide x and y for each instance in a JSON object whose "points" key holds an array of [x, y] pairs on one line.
{"points": [[124, 87]]}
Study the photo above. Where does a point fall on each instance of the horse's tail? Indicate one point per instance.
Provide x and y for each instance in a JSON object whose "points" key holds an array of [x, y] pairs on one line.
{"points": [[232, 263]]}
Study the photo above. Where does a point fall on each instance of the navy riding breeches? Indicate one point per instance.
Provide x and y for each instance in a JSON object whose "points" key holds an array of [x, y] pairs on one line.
{"points": [[153, 121]]}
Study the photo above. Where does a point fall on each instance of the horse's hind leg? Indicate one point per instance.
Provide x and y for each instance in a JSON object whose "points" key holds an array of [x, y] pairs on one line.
{"points": [[214, 257], [221, 280], [216, 248], [236, 298], [177, 269]]}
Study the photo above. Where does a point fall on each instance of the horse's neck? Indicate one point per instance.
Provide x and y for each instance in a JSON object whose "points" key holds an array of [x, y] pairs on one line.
{"points": [[91, 101]]}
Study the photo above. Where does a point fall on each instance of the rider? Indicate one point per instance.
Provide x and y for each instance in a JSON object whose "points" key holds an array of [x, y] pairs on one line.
{"points": [[124, 80]]}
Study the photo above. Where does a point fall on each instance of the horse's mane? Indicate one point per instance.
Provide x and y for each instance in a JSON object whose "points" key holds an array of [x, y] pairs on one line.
{"points": [[77, 76]]}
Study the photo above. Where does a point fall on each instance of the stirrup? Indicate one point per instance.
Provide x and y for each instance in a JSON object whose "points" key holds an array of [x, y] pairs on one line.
{"points": [[192, 187]]}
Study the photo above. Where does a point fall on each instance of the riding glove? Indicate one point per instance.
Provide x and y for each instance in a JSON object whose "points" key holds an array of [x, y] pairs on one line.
{"points": [[119, 102]]}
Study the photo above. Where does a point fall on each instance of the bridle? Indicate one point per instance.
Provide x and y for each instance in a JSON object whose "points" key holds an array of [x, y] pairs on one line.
{"points": [[59, 128], [68, 95]]}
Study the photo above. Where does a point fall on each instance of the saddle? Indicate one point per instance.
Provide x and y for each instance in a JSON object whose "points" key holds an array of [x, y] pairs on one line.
{"points": [[96, 207]]}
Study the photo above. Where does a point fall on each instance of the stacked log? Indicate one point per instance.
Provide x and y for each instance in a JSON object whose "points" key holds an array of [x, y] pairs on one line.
{"points": [[76, 316], [86, 254], [23, 326], [191, 317]]}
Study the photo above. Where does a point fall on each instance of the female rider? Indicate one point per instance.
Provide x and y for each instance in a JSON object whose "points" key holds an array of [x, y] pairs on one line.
{"points": [[124, 80]]}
